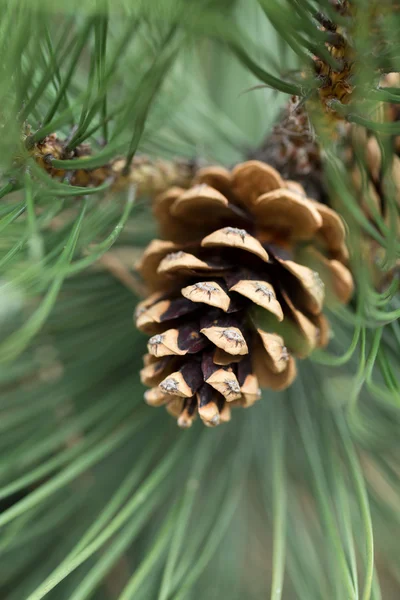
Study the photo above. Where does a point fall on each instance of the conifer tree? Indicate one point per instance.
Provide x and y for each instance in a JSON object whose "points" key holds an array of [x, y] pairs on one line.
{"points": [[200, 210]]}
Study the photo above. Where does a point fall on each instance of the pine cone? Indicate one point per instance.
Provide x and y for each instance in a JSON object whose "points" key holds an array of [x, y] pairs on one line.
{"points": [[149, 176], [237, 289]]}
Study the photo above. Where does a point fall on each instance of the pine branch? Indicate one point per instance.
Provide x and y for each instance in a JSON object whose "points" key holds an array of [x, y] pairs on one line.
{"points": [[294, 497]]}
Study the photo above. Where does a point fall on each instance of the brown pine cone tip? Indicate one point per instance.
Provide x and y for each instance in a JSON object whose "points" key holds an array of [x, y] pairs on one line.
{"points": [[238, 287], [337, 83]]}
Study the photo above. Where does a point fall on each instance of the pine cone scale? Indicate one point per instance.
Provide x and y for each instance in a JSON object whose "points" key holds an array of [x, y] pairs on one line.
{"points": [[261, 293], [288, 214]]}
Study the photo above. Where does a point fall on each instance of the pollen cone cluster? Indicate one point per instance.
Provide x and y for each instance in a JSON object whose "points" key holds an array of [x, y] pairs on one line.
{"points": [[374, 165], [375, 174], [237, 286]]}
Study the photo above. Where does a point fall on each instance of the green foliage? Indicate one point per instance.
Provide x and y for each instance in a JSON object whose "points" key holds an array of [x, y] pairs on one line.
{"points": [[102, 496]]}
